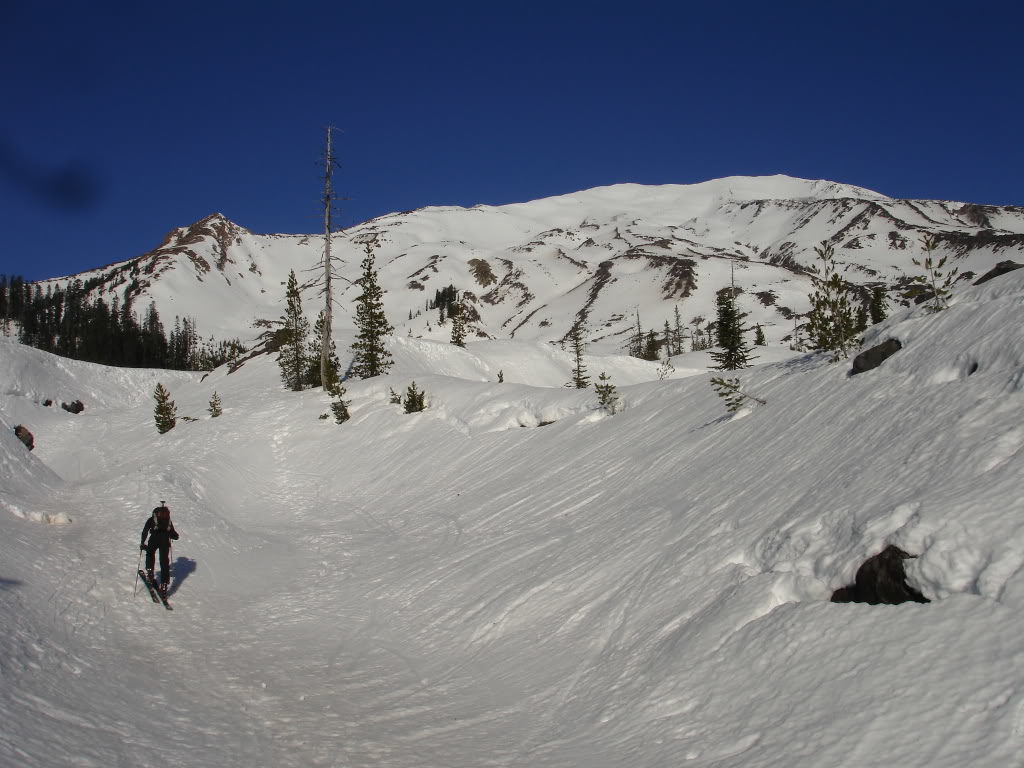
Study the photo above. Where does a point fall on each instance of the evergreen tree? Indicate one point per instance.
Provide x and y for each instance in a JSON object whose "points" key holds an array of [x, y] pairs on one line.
{"points": [[730, 391], [501, 376], [415, 401], [607, 397], [666, 369], [860, 319], [677, 333], [458, 325], [830, 323], [759, 339], [733, 352], [939, 283], [313, 367], [371, 357], [650, 347], [580, 380], [154, 343], [876, 309], [292, 357], [165, 413], [339, 405], [636, 342], [214, 407]]}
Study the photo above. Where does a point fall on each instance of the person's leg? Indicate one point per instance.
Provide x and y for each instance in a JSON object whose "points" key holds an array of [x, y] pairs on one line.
{"points": [[165, 566], [150, 557]]}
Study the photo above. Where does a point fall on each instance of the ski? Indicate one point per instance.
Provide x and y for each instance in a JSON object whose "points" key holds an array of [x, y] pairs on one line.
{"points": [[163, 599], [149, 586], [156, 594]]}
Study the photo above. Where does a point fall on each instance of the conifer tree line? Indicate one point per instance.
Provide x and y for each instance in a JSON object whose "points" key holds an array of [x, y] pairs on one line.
{"points": [[445, 301], [66, 322], [671, 340]]}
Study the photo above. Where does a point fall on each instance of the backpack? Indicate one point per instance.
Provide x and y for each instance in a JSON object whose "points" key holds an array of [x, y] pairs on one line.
{"points": [[161, 518]]}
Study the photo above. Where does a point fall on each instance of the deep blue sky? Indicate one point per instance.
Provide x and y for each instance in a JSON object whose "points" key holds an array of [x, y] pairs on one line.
{"points": [[122, 121]]}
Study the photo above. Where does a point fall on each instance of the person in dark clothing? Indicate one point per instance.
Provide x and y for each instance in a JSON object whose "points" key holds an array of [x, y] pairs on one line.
{"points": [[160, 531]]}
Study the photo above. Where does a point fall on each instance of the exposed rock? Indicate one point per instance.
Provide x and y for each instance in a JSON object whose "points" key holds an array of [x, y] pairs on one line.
{"points": [[881, 579], [25, 436], [999, 269], [874, 357], [75, 407]]}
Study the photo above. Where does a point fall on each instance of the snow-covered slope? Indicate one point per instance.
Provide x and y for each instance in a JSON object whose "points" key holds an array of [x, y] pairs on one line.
{"points": [[465, 587], [530, 271]]}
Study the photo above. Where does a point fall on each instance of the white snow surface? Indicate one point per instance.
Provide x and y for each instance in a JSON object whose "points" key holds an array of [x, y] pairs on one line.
{"points": [[464, 587]]}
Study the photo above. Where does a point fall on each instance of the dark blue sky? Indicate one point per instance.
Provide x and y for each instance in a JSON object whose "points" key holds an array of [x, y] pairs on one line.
{"points": [[124, 120]]}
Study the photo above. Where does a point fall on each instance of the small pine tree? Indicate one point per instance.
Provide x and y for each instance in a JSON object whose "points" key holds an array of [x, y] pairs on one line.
{"points": [[458, 326], [830, 323], [876, 309], [940, 284], [165, 413], [729, 390], [607, 397], [501, 376], [292, 357], [214, 407], [759, 339], [339, 405], [580, 380], [650, 347], [415, 401], [393, 397], [666, 369], [735, 352]]}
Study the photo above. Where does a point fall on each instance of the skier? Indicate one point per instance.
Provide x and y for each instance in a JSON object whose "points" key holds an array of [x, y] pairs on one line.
{"points": [[160, 531]]}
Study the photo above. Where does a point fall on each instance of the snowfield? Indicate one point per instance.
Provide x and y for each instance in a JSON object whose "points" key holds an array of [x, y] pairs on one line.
{"points": [[512, 578]]}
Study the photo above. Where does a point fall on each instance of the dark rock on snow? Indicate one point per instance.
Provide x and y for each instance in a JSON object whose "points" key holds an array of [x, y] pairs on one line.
{"points": [[25, 436], [999, 269], [881, 579], [874, 357], [75, 407]]}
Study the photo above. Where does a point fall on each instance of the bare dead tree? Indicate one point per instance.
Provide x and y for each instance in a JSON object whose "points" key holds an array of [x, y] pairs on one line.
{"points": [[327, 376]]}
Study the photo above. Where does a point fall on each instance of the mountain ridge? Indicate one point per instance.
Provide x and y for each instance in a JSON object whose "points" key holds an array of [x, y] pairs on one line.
{"points": [[535, 269]]}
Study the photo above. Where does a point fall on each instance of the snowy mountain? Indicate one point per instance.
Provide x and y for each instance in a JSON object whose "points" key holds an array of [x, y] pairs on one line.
{"points": [[512, 577], [530, 271]]}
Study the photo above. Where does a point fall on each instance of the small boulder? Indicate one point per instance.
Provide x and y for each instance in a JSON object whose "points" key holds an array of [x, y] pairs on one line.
{"points": [[75, 407], [874, 357], [881, 580], [25, 436]]}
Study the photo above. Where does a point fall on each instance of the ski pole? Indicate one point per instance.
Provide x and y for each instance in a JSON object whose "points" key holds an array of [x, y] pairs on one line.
{"points": [[137, 569]]}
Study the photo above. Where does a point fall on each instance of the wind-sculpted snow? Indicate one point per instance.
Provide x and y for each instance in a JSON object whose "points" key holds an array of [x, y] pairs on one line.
{"points": [[464, 587]]}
